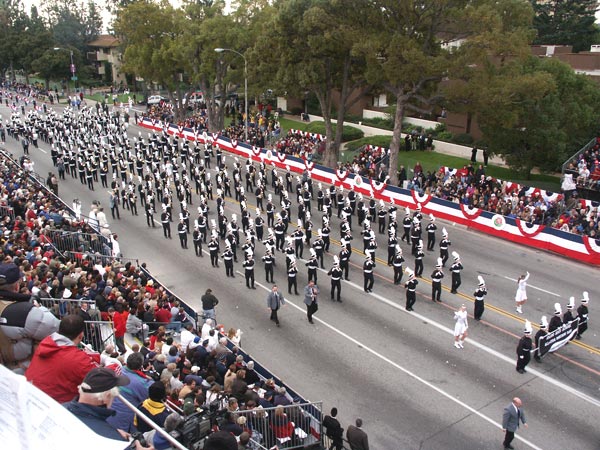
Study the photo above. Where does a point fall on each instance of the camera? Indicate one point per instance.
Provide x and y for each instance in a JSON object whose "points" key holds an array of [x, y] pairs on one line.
{"points": [[137, 436], [194, 429]]}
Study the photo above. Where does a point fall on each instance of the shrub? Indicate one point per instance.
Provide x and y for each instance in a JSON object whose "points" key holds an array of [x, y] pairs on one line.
{"points": [[385, 123], [349, 133], [378, 141], [444, 136], [463, 139]]}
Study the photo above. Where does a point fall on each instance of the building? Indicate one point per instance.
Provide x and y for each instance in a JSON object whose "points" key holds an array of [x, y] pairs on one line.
{"points": [[586, 63], [107, 59]]}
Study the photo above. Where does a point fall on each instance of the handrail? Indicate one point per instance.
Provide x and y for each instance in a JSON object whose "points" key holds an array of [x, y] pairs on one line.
{"points": [[586, 147], [174, 442]]}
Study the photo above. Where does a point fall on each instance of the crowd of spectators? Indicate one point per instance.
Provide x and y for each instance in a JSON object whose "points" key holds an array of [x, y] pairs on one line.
{"points": [[197, 371], [586, 168], [472, 187]]}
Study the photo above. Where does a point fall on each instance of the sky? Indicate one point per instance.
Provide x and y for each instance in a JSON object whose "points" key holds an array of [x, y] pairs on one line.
{"points": [[106, 17]]}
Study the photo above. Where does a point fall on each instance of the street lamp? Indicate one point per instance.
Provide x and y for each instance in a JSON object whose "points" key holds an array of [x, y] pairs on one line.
{"points": [[72, 67], [221, 50]]}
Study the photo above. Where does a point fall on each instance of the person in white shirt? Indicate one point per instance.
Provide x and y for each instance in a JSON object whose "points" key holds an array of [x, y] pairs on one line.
{"points": [[521, 295], [187, 338], [460, 329], [208, 325], [213, 340]]}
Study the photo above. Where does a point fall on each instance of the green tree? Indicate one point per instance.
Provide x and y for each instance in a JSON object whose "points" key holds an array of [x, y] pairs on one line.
{"points": [[310, 45], [417, 44], [480, 57], [53, 65], [217, 75], [174, 48], [537, 112], [566, 22]]}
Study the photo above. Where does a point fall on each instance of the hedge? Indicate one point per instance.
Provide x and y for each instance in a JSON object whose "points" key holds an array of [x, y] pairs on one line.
{"points": [[349, 133]]}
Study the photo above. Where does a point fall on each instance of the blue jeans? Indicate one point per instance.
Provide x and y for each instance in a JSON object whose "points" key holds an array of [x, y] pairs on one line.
{"points": [[209, 313], [176, 326]]}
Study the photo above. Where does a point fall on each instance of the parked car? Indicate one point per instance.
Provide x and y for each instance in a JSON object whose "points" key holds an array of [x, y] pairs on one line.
{"points": [[156, 99]]}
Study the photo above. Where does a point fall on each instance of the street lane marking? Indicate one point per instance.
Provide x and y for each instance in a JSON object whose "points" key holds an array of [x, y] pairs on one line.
{"points": [[406, 371], [485, 348], [534, 287]]}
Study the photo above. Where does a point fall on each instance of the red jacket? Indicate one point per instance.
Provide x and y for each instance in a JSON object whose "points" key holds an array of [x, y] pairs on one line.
{"points": [[120, 323], [58, 367], [163, 315]]}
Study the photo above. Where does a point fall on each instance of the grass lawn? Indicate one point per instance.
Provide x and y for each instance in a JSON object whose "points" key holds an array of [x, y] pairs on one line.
{"points": [[99, 96], [434, 160]]}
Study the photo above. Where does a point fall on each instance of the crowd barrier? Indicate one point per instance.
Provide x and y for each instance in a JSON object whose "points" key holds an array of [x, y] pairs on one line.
{"points": [[99, 334], [61, 307], [580, 248], [289, 426]]}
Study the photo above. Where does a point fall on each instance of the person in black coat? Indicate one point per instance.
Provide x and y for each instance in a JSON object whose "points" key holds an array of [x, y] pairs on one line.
{"points": [[582, 313], [334, 430], [524, 348]]}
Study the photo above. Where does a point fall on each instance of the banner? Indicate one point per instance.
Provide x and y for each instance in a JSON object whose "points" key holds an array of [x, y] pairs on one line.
{"points": [[559, 337], [580, 248]]}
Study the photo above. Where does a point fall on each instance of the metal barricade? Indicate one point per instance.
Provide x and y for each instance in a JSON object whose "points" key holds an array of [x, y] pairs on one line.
{"points": [[96, 258], [7, 211], [99, 334], [78, 242], [293, 426], [61, 307]]}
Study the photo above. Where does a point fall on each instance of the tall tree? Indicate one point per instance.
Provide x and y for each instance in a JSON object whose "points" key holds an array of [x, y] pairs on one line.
{"points": [[479, 57], [311, 46], [417, 44], [215, 74], [566, 22], [537, 112]]}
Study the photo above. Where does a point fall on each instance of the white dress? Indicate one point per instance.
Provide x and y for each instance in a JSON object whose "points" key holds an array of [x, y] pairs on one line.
{"points": [[522, 290], [461, 322]]}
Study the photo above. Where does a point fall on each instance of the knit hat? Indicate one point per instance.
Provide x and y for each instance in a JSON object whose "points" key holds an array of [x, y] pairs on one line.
{"points": [[157, 391]]}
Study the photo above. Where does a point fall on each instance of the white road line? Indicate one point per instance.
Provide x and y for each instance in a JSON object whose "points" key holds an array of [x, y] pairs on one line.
{"points": [[42, 150], [483, 347], [406, 371], [535, 287]]}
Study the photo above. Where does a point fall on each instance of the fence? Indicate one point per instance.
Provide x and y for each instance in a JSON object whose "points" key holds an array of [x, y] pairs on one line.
{"points": [[290, 427], [190, 312], [99, 334], [61, 307], [78, 242], [7, 211]]}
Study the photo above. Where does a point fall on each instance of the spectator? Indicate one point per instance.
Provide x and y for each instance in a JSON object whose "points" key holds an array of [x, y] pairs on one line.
{"points": [[209, 302], [96, 395], [25, 324], [157, 440], [119, 316], [153, 407], [136, 391], [58, 366]]}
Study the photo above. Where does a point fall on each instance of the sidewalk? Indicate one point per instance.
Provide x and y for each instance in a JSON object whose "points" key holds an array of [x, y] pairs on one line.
{"points": [[446, 148]]}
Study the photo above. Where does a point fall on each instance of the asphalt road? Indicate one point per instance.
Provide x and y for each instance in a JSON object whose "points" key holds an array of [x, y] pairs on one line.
{"points": [[398, 370]]}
